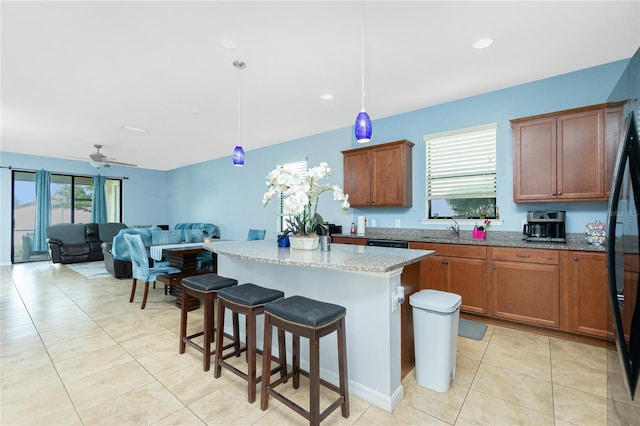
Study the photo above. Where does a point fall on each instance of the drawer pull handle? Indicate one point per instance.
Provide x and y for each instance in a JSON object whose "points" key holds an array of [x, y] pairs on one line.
{"points": [[524, 256]]}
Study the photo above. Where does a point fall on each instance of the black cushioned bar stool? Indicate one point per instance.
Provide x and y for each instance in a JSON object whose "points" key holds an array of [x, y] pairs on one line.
{"points": [[204, 287], [247, 299], [312, 319]]}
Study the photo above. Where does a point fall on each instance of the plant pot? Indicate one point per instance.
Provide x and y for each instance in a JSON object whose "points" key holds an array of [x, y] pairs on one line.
{"points": [[306, 242]]}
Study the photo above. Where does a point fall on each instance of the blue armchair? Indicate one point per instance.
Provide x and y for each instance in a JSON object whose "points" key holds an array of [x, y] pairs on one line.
{"points": [[140, 266], [117, 259], [256, 234]]}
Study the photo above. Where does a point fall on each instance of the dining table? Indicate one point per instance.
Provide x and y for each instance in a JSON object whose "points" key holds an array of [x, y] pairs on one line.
{"points": [[184, 257]]}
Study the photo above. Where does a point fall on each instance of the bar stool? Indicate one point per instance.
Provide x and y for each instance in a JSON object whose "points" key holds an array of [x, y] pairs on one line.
{"points": [[247, 299], [312, 319], [204, 287]]}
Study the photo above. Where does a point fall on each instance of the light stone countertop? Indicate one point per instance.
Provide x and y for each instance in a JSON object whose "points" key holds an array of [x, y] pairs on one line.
{"points": [[575, 242], [341, 257]]}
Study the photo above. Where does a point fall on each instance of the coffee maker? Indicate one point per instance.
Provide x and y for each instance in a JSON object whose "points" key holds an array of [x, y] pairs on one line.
{"points": [[545, 226]]}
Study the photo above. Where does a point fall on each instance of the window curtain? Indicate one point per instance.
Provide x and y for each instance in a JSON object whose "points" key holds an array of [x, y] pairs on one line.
{"points": [[99, 201], [43, 210]]}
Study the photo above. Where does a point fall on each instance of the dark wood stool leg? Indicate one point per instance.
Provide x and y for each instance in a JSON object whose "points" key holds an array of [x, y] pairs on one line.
{"points": [[219, 338], [208, 326], [266, 364], [251, 354], [342, 367], [236, 333], [183, 321], [282, 353], [296, 361], [314, 379]]}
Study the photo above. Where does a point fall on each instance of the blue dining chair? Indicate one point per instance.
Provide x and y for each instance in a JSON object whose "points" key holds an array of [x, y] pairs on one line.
{"points": [[140, 269], [256, 234]]}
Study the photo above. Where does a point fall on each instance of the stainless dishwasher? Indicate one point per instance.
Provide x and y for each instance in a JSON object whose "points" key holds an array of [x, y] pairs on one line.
{"points": [[388, 243]]}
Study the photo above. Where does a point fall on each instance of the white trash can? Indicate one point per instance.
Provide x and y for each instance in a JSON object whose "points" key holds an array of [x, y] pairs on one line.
{"points": [[435, 329]]}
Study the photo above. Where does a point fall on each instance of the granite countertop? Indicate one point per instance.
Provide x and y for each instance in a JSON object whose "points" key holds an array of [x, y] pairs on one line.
{"points": [[341, 257], [575, 242]]}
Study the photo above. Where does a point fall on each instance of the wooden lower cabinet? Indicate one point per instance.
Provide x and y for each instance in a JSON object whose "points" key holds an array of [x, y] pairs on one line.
{"points": [[458, 269], [525, 286], [349, 240], [589, 294]]}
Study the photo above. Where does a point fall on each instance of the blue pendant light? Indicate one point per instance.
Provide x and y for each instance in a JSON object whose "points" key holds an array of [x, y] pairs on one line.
{"points": [[238, 156], [238, 152], [363, 128]]}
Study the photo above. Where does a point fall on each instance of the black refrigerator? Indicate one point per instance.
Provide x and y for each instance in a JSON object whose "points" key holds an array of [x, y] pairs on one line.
{"points": [[623, 258]]}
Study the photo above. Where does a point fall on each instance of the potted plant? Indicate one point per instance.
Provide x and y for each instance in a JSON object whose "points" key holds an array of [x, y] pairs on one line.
{"points": [[302, 192]]}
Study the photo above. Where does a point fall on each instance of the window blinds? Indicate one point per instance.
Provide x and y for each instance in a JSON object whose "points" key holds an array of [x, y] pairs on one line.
{"points": [[462, 163]]}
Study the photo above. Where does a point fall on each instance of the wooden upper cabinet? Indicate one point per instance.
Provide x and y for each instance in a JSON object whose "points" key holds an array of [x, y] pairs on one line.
{"points": [[379, 175], [565, 156]]}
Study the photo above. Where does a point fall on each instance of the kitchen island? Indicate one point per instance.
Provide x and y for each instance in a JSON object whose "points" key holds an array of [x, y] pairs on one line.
{"points": [[362, 279]]}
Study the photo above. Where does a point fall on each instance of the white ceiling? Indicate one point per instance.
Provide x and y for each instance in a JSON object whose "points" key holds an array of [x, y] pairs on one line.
{"points": [[74, 73]]}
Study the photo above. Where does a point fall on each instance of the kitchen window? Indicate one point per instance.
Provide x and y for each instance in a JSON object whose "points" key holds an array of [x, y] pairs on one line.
{"points": [[461, 173], [299, 167]]}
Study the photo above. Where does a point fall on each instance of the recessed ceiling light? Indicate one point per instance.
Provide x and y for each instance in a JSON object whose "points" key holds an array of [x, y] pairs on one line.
{"points": [[195, 112], [228, 43], [133, 129], [326, 96], [482, 43]]}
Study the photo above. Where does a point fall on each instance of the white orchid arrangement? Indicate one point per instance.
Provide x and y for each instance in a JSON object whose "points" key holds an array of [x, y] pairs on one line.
{"points": [[301, 197]]}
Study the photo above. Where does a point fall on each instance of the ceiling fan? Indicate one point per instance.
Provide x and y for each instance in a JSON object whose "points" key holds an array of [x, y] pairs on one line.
{"points": [[98, 159]]}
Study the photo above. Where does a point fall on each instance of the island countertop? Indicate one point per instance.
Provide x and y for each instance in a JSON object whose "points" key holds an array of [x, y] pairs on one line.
{"points": [[341, 257]]}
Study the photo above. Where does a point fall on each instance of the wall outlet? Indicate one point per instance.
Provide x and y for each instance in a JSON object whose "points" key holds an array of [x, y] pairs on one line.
{"points": [[397, 223], [373, 222]]}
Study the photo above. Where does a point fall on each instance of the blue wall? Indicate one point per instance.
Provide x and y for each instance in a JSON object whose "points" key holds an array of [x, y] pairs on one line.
{"points": [[215, 191]]}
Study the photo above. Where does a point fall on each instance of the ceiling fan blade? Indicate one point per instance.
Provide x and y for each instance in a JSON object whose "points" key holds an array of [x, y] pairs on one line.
{"points": [[117, 163]]}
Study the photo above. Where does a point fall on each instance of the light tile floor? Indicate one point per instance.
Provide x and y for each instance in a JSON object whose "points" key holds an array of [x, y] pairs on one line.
{"points": [[74, 351]]}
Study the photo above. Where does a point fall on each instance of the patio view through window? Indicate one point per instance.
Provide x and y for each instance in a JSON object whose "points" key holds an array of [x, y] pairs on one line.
{"points": [[71, 198]]}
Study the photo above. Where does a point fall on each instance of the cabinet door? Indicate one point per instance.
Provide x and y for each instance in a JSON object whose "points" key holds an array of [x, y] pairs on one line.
{"points": [[535, 160], [433, 273], [389, 176], [589, 294], [526, 292], [356, 178], [612, 129], [580, 151], [468, 278]]}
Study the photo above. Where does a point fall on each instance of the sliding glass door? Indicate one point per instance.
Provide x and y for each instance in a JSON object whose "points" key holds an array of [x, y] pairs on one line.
{"points": [[71, 198]]}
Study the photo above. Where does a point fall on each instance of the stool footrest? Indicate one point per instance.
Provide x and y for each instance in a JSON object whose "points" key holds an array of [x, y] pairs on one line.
{"points": [[188, 340], [300, 410]]}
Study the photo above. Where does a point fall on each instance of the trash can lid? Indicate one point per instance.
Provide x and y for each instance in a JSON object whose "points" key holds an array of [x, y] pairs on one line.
{"points": [[435, 300]]}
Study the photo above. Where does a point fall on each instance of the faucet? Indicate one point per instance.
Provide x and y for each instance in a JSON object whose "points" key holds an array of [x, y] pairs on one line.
{"points": [[455, 228]]}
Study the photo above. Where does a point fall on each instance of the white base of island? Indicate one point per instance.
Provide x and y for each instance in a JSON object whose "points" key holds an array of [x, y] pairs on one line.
{"points": [[373, 329]]}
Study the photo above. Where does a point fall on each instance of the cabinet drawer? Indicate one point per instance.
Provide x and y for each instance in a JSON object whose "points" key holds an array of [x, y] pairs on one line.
{"points": [[523, 255], [453, 250], [349, 240]]}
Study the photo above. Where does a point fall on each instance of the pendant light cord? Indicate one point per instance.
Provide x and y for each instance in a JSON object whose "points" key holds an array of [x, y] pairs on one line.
{"points": [[362, 54], [239, 65]]}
